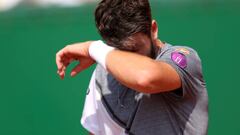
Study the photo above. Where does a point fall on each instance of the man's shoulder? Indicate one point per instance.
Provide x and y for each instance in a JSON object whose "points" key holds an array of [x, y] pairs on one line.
{"points": [[182, 58], [180, 48], [168, 50]]}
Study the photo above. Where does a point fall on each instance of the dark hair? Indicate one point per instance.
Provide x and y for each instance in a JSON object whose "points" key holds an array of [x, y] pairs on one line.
{"points": [[118, 20]]}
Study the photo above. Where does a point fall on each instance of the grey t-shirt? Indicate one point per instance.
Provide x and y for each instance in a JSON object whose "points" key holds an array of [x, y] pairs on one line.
{"points": [[180, 112]]}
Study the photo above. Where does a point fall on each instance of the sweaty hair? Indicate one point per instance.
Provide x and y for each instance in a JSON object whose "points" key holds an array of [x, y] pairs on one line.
{"points": [[118, 20]]}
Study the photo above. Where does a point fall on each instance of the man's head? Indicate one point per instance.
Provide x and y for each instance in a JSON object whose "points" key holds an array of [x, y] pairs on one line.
{"points": [[127, 25]]}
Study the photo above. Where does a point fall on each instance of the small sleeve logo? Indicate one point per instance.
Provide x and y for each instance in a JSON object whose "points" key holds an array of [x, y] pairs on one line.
{"points": [[183, 50], [179, 59], [88, 90]]}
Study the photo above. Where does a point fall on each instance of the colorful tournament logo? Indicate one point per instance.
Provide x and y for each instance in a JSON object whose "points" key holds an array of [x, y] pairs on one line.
{"points": [[183, 50], [179, 57]]}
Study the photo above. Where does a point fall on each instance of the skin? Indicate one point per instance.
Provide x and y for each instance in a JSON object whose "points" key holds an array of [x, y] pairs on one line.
{"points": [[139, 71]]}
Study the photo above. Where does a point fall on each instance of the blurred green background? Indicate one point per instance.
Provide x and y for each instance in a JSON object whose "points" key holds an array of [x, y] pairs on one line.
{"points": [[34, 101]]}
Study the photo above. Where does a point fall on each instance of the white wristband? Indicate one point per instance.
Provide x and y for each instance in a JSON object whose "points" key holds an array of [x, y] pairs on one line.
{"points": [[98, 51]]}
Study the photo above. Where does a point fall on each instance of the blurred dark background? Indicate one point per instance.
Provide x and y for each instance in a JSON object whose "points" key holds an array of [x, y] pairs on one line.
{"points": [[35, 101]]}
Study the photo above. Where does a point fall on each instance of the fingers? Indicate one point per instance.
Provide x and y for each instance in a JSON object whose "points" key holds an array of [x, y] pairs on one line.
{"points": [[84, 63], [73, 52], [59, 63], [77, 69], [58, 59], [62, 61]]}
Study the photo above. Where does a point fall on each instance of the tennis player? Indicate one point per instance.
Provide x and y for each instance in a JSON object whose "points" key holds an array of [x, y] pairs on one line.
{"points": [[141, 85]]}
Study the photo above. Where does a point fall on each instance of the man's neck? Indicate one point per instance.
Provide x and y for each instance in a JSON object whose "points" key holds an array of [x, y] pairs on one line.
{"points": [[157, 47]]}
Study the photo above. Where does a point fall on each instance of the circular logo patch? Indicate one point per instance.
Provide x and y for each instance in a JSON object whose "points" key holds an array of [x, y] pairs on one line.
{"points": [[179, 59]]}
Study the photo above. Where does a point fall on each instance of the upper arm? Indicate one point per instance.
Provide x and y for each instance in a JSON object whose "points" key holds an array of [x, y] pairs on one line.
{"points": [[187, 64], [160, 77]]}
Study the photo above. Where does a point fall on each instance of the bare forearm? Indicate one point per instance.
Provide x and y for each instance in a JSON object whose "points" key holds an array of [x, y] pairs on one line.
{"points": [[135, 71], [128, 68], [139, 72]]}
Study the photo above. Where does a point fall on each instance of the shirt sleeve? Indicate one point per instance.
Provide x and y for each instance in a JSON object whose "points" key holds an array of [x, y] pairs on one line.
{"points": [[187, 63]]}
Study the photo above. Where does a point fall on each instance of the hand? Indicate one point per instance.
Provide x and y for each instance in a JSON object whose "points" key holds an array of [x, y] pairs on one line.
{"points": [[68, 54]]}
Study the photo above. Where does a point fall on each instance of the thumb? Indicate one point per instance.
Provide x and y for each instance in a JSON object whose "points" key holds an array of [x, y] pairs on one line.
{"points": [[80, 67], [77, 69]]}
